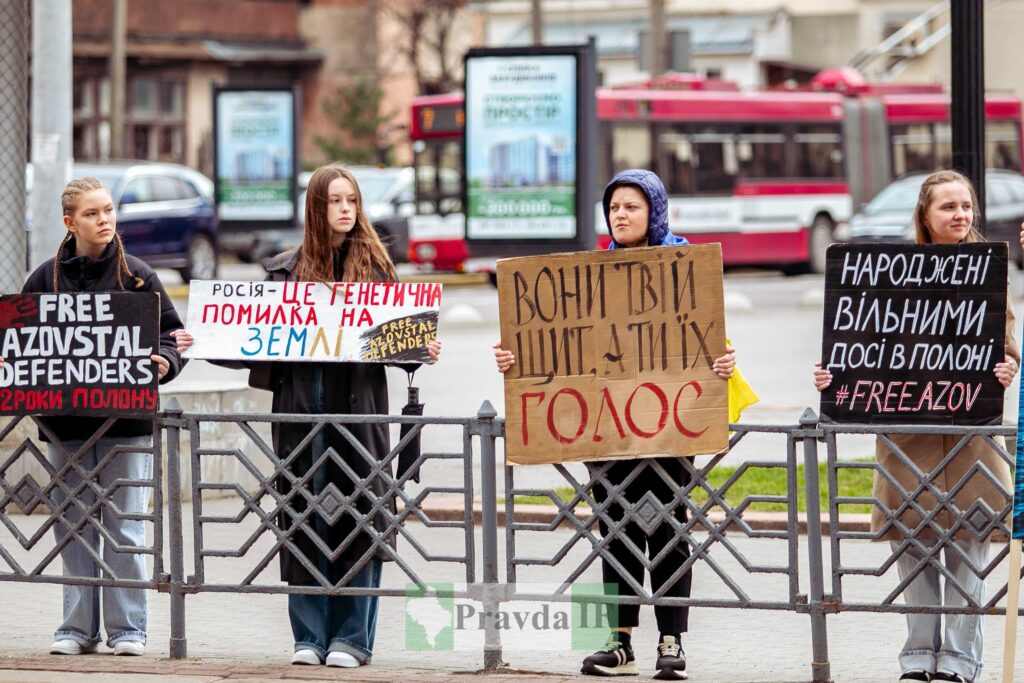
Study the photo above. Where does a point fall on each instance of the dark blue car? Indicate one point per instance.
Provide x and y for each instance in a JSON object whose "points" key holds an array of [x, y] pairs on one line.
{"points": [[165, 214]]}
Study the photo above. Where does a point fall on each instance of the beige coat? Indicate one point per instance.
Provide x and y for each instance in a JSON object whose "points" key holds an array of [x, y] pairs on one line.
{"points": [[927, 451]]}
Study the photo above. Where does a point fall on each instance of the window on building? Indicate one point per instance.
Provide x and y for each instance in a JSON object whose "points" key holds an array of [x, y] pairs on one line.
{"points": [[154, 125]]}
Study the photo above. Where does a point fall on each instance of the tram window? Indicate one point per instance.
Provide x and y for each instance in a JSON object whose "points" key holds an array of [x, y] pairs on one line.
{"points": [[438, 177], [943, 147], [675, 154], [1002, 145], [761, 151], [912, 149], [714, 161], [631, 148], [819, 151]]}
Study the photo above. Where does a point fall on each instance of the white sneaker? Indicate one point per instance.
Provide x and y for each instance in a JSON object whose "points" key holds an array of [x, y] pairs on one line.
{"points": [[68, 646], [306, 656], [342, 659], [130, 648]]}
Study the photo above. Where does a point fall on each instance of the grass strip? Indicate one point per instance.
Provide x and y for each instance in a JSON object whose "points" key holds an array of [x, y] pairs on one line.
{"points": [[762, 481]]}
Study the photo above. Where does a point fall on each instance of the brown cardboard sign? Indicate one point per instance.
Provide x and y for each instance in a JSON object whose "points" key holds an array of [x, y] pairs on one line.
{"points": [[613, 351]]}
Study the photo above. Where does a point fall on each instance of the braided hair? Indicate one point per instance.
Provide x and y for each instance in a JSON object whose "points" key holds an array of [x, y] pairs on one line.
{"points": [[69, 199]]}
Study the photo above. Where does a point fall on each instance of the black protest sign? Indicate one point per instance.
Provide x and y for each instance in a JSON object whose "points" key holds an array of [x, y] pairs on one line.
{"points": [[912, 333], [79, 353]]}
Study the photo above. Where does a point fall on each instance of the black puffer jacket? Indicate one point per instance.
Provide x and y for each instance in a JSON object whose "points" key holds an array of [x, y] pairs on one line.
{"points": [[84, 274]]}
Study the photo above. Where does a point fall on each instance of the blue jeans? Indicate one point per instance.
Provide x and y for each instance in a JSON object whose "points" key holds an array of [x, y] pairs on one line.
{"points": [[957, 646], [124, 609], [342, 623]]}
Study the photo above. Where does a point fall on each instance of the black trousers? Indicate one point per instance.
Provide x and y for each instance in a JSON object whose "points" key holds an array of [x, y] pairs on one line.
{"points": [[671, 619]]}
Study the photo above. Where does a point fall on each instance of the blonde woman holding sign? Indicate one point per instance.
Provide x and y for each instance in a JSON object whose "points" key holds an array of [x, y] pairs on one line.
{"points": [[91, 258], [636, 212], [339, 245], [946, 213]]}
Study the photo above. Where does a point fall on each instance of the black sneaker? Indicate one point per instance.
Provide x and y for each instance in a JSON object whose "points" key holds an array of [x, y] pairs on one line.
{"points": [[671, 664], [614, 659], [916, 675], [948, 676]]}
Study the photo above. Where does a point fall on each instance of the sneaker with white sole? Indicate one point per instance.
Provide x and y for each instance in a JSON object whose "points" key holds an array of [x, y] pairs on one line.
{"points": [[614, 659], [129, 648], [671, 663], [69, 646], [306, 656], [342, 659]]}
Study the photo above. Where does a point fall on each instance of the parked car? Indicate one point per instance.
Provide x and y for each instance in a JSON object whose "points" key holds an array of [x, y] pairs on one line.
{"points": [[165, 214], [888, 217]]}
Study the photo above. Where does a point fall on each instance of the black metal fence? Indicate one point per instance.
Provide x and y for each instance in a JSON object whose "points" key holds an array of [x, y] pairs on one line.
{"points": [[278, 506]]}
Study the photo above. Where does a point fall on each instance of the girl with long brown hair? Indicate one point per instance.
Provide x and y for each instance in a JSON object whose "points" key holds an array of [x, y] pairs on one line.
{"points": [[339, 245]]}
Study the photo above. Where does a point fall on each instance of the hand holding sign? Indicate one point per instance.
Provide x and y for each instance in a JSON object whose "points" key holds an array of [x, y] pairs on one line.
{"points": [[434, 350], [183, 338]]}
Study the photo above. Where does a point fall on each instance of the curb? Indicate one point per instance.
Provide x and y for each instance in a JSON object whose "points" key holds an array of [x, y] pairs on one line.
{"points": [[194, 669]]}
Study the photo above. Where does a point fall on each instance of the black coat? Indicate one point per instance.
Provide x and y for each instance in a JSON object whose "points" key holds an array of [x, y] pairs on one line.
{"points": [[84, 274], [325, 388]]}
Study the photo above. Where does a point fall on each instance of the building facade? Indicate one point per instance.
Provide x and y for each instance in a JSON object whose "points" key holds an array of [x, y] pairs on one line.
{"points": [[178, 51]]}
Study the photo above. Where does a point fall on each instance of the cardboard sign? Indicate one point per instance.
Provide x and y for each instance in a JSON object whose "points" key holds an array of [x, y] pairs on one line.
{"points": [[374, 322], [79, 353], [912, 333], [613, 354]]}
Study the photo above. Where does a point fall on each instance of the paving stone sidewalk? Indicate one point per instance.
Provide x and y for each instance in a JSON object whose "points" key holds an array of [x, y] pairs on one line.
{"points": [[247, 637]]}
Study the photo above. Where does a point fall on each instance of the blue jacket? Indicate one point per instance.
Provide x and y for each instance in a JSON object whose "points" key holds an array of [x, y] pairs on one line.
{"points": [[658, 232]]}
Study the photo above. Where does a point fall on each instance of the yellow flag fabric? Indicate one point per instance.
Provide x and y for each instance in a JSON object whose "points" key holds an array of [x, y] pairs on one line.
{"points": [[741, 395]]}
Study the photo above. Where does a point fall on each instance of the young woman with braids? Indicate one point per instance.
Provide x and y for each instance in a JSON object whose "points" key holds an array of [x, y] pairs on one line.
{"points": [[92, 259], [339, 245]]}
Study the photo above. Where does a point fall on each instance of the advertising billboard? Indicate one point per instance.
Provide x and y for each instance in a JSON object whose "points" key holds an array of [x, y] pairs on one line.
{"points": [[521, 147], [255, 154]]}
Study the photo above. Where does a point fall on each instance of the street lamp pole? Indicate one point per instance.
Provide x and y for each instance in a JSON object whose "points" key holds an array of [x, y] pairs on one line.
{"points": [[967, 109]]}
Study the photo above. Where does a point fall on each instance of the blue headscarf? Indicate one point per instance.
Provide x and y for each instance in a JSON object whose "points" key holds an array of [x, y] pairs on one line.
{"points": [[658, 232]]}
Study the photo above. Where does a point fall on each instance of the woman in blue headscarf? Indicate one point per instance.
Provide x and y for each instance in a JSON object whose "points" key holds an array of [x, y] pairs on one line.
{"points": [[635, 207]]}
